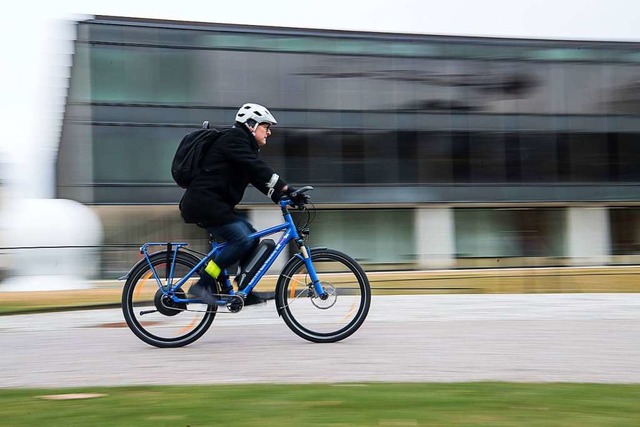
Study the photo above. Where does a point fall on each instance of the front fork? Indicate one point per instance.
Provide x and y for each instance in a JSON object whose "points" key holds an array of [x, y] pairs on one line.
{"points": [[305, 253]]}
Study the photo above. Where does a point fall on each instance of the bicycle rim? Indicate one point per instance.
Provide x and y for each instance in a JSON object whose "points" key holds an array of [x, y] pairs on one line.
{"points": [[335, 317], [155, 318]]}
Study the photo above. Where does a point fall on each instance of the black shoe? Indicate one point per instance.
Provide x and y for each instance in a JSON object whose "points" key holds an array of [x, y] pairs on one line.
{"points": [[258, 298], [203, 291]]}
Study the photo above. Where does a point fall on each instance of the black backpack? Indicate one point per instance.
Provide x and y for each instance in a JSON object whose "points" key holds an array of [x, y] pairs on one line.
{"points": [[191, 150]]}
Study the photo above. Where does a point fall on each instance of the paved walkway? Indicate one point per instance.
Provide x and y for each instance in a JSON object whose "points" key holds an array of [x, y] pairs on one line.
{"points": [[546, 337]]}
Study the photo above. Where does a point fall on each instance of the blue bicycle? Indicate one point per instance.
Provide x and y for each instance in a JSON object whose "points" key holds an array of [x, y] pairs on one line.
{"points": [[322, 295]]}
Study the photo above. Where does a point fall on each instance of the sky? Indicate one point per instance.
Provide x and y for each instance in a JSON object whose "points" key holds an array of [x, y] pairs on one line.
{"points": [[36, 47]]}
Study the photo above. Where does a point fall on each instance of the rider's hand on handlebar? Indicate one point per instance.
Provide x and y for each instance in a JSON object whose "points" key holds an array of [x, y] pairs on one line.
{"points": [[297, 199]]}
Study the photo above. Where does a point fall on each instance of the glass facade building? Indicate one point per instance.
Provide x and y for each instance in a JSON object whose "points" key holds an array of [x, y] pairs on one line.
{"points": [[502, 137]]}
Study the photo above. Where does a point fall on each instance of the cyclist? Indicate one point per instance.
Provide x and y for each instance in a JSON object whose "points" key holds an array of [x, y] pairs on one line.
{"points": [[230, 165]]}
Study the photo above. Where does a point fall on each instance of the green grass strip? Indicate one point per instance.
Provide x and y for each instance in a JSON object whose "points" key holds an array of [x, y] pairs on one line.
{"points": [[368, 404]]}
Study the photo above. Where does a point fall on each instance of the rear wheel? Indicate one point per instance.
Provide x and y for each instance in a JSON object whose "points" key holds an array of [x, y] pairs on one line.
{"points": [[343, 309], [155, 317]]}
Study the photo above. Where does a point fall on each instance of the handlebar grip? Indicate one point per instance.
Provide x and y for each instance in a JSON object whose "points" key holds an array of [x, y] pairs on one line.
{"points": [[295, 194], [304, 189]]}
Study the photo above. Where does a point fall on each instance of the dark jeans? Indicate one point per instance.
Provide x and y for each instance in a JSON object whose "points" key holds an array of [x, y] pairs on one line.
{"points": [[240, 245]]}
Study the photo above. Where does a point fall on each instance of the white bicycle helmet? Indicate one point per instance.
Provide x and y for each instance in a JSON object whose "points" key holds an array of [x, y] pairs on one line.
{"points": [[255, 112]]}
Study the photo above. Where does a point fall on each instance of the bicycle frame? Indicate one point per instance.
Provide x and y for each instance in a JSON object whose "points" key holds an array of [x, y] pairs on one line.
{"points": [[290, 233]]}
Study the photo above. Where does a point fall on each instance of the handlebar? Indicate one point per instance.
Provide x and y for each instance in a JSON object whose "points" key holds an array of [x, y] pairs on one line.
{"points": [[286, 201]]}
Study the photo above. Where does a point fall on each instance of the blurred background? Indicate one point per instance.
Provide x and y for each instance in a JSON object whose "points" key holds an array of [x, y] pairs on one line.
{"points": [[426, 152]]}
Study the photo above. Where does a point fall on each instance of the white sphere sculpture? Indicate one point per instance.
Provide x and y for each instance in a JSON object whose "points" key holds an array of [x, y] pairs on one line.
{"points": [[57, 240]]}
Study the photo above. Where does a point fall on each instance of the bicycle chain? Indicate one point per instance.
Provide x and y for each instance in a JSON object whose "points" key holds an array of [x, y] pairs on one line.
{"points": [[231, 311]]}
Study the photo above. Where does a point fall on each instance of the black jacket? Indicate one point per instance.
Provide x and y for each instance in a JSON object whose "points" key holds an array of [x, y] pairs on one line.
{"points": [[230, 165]]}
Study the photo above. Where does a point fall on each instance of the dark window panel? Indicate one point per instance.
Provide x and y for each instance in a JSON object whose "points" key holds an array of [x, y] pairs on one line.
{"points": [[564, 158], [513, 167], [460, 157], [628, 157], [408, 157], [625, 231], [297, 156], [325, 157], [353, 158], [588, 158], [435, 157], [538, 157], [487, 157], [381, 158]]}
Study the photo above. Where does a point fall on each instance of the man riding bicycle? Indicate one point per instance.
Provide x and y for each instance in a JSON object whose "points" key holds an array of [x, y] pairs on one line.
{"points": [[229, 166]]}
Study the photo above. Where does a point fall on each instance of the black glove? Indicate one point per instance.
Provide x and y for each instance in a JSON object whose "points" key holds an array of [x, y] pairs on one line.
{"points": [[298, 199]]}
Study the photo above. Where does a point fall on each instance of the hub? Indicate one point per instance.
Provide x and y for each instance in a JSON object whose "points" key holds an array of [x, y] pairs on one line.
{"points": [[166, 305], [327, 300]]}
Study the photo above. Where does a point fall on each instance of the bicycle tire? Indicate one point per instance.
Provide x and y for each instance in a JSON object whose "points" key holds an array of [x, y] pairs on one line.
{"points": [[188, 322], [330, 320]]}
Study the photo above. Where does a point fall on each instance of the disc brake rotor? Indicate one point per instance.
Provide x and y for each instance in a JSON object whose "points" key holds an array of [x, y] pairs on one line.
{"points": [[329, 301]]}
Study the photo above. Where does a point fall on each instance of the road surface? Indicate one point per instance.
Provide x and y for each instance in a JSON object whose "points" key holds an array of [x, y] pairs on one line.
{"points": [[440, 338]]}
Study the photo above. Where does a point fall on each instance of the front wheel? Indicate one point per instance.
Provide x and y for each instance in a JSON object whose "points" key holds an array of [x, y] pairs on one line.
{"points": [[345, 304]]}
